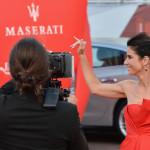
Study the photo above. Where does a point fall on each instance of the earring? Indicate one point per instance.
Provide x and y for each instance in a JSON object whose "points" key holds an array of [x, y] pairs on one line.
{"points": [[145, 68]]}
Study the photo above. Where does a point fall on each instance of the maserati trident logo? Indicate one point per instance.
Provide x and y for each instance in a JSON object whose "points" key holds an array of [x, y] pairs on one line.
{"points": [[34, 30], [5, 69], [33, 11]]}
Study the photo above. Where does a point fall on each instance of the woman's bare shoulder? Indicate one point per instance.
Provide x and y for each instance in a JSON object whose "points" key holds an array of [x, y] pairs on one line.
{"points": [[127, 83]]}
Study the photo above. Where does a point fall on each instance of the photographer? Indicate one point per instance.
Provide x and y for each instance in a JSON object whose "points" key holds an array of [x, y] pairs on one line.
{"points": [[25, 124]]}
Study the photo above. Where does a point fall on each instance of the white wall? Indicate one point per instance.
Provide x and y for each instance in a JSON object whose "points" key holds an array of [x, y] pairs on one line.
{"points": [[109, 20]]}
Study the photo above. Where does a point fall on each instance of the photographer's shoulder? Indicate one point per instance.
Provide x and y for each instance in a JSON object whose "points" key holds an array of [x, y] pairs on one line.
{"points": [[66, 108]]}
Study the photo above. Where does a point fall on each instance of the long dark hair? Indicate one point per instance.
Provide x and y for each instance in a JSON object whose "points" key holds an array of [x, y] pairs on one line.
{"points": [[29, 66]]}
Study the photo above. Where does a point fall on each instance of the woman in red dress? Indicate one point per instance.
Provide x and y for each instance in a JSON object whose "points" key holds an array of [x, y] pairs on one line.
{"points": [[137, 111]]}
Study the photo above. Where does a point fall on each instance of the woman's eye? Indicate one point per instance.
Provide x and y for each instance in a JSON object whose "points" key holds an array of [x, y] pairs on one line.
{"points": [[129, 56]]}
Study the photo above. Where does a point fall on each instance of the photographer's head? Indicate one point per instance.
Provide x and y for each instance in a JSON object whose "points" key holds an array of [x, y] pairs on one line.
{"points": [[29, 66]]}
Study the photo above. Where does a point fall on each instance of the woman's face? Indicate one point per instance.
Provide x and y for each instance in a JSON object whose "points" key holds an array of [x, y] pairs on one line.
{"points": [[133, 62]]}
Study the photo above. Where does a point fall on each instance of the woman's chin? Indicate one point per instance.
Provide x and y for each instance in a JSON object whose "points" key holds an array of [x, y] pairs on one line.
{"points": [[130, 72]]}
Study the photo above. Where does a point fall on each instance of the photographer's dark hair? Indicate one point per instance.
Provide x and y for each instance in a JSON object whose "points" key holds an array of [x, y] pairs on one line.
{"points": [[29, 66], [140, 43]]}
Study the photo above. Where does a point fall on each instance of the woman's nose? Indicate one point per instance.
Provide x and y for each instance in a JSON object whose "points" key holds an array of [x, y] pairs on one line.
{"points": [[125, 62]]}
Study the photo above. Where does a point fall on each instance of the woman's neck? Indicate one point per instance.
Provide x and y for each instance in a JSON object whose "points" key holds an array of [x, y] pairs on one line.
{"points": [[144, 79]]}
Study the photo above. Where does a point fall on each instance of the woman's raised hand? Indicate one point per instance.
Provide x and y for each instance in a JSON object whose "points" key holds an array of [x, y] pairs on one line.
{"points": [[82, 45]]}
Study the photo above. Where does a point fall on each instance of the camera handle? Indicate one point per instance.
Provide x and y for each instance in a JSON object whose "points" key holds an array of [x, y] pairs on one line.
{"points": [[51, 98]]}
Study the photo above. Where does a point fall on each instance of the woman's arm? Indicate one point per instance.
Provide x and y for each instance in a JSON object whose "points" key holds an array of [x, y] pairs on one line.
{"points": [[114, 90]]}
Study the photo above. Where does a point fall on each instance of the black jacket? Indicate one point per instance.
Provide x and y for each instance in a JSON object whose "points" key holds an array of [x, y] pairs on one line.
{"points": [[26, 125]]}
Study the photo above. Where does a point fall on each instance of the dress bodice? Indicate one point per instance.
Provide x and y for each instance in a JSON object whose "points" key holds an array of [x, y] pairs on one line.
{"points": [[137, 118]]}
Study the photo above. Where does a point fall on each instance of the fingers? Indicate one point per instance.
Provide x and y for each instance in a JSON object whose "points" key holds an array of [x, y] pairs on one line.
{"points": [[74, 44], [81, 45], [78, 42], [76, 38]]}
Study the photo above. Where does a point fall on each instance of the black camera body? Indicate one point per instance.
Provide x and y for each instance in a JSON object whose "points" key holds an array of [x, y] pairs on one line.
{"points": [[60, 66]]}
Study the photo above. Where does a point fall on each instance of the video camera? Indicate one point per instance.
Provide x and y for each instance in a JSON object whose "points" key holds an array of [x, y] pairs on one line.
{"points": [[60, 66]]}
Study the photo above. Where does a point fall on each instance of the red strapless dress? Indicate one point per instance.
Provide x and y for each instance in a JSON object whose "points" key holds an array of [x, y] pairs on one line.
{"points": [[137, 118]]}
